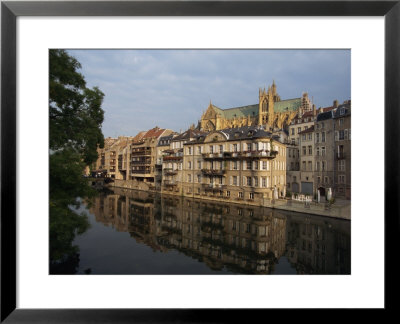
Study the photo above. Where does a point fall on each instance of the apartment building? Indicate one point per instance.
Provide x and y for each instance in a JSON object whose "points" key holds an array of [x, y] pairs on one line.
{"points": [[238, 164], [144, 155], [342, 125], [172, 160], [163, 145], [307, 160], [324, 145], [105, 164], [293, 160]]}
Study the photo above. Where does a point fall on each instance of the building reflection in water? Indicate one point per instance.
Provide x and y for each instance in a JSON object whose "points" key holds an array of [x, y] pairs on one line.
{"points": [[241, 239]]}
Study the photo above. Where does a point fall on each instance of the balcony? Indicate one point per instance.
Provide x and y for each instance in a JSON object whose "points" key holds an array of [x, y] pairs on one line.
{"points": [[170, 171], [340, 155], [211, 172], [170, 183], [209, 156], [172, 158], [140, 172], [141, 162], [141, 152], [213, 186], [258, 154]]}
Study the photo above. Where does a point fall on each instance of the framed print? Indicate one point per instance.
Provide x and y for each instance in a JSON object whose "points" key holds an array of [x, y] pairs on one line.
{"points": [[361, 40]]}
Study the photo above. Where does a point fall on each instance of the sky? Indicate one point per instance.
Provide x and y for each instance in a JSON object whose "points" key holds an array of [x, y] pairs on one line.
{"points": [[172, 88]]}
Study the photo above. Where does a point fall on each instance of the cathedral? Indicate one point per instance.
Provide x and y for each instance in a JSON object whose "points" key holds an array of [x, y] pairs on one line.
{"points": [[271, 112]]}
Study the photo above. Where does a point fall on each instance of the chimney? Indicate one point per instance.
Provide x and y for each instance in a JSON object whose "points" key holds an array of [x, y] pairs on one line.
{"points": [[335, 103]]}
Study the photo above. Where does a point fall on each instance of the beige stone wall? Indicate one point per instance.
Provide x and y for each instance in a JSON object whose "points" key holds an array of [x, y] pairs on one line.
{"points": [[343, 157], [225, 169]]}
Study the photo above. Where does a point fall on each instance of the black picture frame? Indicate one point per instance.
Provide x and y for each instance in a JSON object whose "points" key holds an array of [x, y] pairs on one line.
{"points": [[11, 10]]}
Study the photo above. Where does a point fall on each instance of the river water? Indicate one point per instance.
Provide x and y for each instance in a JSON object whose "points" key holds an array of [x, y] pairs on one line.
{"points": [[135, 232]]}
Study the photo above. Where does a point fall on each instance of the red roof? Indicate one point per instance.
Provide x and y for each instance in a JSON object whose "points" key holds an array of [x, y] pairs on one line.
{"points": [[154, 132]]}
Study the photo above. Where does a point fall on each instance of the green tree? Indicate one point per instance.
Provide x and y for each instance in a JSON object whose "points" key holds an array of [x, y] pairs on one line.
{"points": [[75, 117]]}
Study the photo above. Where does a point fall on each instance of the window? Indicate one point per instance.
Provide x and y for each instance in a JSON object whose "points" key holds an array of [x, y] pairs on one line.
{"points": [[199, 178], [189, 150], [341, 121], [310, 136], [309, 166], [323, 151], [317, 165], [342, 178], [211, 149], [249, 181], [248, 146], [304, 166], [255, 165], [221, 149], [264, 181], [304, 150], [235, 148], [342, 165], [310, 150], [326, 180], [240, 195], [235, 165], [304, 137], [292, 130], [341, 111], [341, 135], [298, 130], [199, 149], [228, 193], [293, 141], [317, 138], [248, 167], [189, 178], [317, 151], [189, 165], [305, 127], [251, 196], [199, 165], [255, 181], [340, 152], [235, 180], [323, 165], [323, 137]]}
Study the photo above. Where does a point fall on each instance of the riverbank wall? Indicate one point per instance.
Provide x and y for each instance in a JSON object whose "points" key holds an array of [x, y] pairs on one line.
{"points": [[339, 209]]}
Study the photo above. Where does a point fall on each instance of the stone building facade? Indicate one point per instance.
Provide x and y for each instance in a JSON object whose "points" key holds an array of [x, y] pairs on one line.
{"points": [[144, 155], [246, 164], [324, 175], [294, 150], [307, 161], [342, 125]]}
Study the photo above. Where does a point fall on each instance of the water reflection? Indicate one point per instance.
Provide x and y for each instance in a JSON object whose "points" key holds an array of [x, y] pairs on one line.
{"points": [[226, 238]]}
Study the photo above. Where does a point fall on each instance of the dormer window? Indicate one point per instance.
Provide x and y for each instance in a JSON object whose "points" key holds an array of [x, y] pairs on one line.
{"points": [[250, 133], [341, 111]]}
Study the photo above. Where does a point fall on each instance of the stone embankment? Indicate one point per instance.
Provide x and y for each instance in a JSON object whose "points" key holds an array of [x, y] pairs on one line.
{"points": [[340, 209]]}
